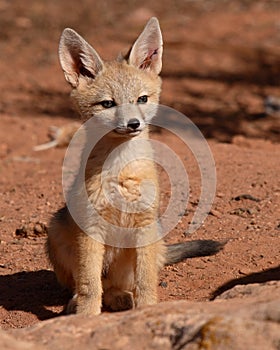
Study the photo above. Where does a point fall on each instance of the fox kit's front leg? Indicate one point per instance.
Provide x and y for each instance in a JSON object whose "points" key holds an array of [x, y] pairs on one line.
{"points": [[148, 261], [88, 283], [146, 277]]}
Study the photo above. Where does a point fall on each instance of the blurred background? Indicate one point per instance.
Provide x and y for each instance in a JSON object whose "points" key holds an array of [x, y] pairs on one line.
{"points": [[221, 58], [221, 68]]}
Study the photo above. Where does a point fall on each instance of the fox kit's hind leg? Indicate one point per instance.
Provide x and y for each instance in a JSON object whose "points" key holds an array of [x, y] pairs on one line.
{"points": [[82, 275], [88, 285], [61, 248], [148, 261], [77, 260]]}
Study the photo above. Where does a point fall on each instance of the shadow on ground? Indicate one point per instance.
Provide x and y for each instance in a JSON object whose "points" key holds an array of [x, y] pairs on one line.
{"points": [[258, 277], [32, 292]]}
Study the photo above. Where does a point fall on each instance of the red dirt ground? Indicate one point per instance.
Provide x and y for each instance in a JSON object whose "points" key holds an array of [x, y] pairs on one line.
{"points": [[221, 61]]}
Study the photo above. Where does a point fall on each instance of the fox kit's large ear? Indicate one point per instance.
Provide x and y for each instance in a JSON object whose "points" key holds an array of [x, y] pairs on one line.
{"points": [[77, 57], [146, 53]]}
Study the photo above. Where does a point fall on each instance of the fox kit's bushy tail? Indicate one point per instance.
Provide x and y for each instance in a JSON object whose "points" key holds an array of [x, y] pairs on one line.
{"points": [[184, 250]]}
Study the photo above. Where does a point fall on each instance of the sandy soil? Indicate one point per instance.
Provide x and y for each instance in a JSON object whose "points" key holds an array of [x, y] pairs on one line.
{"points": [[221, 61]]}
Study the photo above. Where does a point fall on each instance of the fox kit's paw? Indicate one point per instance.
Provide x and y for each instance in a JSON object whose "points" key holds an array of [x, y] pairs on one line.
{"points": [[118, 300], [147, 297], [86, 306]]}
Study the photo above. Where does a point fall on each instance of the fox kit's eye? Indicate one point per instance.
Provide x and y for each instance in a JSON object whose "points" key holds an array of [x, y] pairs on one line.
{"points": [[142, 99], [108, 103]]}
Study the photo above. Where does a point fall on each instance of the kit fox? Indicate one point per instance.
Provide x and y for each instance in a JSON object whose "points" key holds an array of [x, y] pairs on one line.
{"points": [[98, 273]]}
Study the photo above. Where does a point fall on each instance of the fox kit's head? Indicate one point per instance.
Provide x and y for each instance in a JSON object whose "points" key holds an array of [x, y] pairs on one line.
{"points": [[122, 94]]}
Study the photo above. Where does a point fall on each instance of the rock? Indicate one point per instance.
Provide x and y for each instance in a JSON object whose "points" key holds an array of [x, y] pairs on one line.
{"points": [[246, 317], [8, 342], [265, 291], [272, 105], [31, 229]]}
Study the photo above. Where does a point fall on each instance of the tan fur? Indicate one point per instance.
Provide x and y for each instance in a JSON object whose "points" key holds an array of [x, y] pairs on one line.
{"points": [[98, 273], [122, 277]]}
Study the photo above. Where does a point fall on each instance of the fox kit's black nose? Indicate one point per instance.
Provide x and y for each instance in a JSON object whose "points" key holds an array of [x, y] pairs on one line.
{"points": [[133, 124]]}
